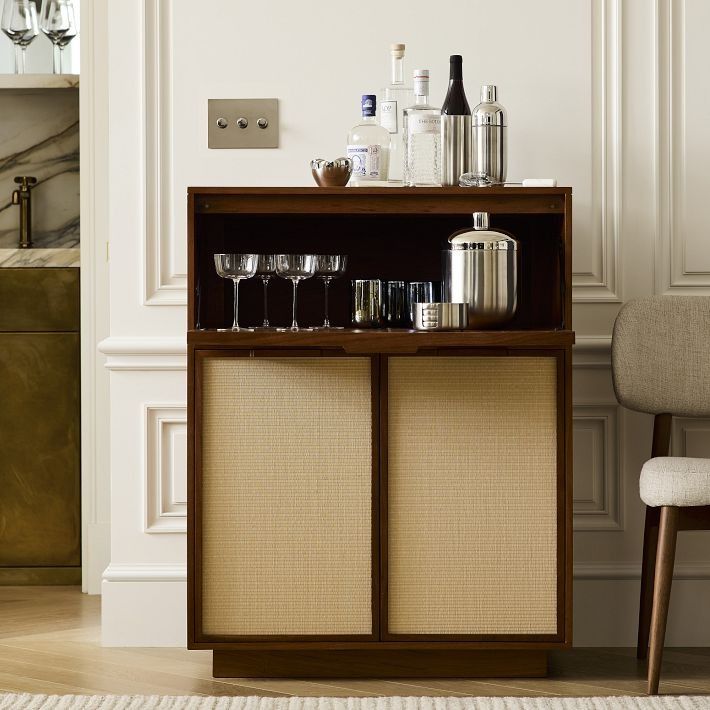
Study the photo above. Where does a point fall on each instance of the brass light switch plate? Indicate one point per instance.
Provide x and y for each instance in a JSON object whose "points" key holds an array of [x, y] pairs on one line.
{"points": [[242, 123]]}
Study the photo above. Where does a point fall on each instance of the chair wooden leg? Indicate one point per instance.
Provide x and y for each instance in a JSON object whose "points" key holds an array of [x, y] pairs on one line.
{"points": [[648, 572], [664, 576]]}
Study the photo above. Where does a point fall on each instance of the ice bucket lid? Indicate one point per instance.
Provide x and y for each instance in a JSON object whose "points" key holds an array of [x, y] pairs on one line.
{"points": [[477, 239], [481, 236]]}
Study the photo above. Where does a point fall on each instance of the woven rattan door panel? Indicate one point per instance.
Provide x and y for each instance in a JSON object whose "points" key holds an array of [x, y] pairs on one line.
{"points": [[286, 454], [472, 487]]}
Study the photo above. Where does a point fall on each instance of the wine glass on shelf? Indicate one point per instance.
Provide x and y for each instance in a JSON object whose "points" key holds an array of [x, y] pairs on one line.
{"points": [[328, 268], [236, 267], [58, 23], [265, 269], [295, 267], [19, 23]]}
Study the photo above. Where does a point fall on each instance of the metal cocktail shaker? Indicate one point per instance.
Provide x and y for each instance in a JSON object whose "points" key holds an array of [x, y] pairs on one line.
{"points": [[488, 137]]}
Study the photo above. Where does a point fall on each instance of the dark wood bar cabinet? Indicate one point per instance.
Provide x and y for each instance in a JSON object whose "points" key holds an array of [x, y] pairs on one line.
{"points": [[378, 503]]}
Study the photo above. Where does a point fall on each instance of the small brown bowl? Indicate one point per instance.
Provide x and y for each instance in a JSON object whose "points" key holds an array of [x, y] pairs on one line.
{"points": [[332, 173]]}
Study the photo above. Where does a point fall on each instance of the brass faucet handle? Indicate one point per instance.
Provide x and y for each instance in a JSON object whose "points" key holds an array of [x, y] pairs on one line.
{"points": [[25, 181]]}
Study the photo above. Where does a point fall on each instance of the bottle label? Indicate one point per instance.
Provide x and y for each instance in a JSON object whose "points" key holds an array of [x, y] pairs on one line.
{"points": [[423, 124], [366, 160], [388, 115]]}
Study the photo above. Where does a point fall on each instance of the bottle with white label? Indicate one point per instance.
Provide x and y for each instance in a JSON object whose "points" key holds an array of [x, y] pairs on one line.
{"points": [[422, 136], [394, 98], [368, 146]]}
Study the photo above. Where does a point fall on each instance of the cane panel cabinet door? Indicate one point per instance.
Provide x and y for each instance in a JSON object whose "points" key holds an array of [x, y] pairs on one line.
{"points": [[285, 452], [473, 497]]}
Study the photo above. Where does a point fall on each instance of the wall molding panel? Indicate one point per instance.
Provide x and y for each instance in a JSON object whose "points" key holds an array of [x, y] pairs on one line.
{"points": [[176, 572], [600, 282], [592, 352], [146, 572], [165, 284], [165, 468], [690, 437], [140, 353], [597, 498], [632, 570], [674, 272]]}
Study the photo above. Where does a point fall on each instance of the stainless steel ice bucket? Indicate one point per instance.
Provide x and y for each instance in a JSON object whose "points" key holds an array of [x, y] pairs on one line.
{"points": [[480, 268]]}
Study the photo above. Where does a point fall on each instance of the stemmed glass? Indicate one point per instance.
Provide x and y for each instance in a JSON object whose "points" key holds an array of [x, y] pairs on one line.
{"points": [[235, 267], [265, 269], [19, 23], [328, 268], [295, 267], [58, 23]]}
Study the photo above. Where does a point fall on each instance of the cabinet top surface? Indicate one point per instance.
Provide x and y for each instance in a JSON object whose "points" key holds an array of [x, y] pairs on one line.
{"points": [[513, 191], [380, 200]]}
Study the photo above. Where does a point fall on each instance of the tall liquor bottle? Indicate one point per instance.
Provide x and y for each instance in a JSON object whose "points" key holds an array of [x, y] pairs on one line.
{"points": [[394, 98], [455, 126], [368, 145], [422, 136]]}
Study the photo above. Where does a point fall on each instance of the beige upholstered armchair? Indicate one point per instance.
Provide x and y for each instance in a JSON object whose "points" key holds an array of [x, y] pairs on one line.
{"points": [[661, 365]]}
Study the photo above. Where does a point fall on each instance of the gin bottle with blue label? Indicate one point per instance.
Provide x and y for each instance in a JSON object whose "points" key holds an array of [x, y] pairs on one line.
{"points": [[368, 146]]}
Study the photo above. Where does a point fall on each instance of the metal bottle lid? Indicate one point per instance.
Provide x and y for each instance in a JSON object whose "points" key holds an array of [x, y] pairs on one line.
{"points": [[481, 236], [489, 112]]}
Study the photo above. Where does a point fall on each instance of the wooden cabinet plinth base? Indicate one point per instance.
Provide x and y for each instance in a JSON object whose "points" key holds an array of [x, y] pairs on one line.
{"points": [[385, 663]]}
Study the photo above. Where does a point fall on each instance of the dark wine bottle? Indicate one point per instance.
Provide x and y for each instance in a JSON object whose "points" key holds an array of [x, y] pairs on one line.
{"points": [[455, 103], [455, 127]]}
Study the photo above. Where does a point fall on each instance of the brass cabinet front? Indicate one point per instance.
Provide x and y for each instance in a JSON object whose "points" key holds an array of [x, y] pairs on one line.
{"points": [[39, 457], [472, 486], [284, 454]]}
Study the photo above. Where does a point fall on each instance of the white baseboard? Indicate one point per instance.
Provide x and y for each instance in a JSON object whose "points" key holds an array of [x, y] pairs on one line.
{"points": [[606, 612], [144, 604], [144, 608]]}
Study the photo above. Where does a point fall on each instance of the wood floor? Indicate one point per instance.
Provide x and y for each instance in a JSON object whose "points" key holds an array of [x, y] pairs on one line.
{"points": [[49, 643]]}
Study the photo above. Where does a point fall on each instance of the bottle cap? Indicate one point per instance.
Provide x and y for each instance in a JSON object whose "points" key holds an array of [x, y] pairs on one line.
{"points": [[397, 50], [455, 66], [369, 104], [489, 93]]}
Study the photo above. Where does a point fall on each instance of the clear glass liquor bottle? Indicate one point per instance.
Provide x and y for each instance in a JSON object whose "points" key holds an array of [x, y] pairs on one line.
{"points": [[422, 136], [394, 98], [368, 146]]}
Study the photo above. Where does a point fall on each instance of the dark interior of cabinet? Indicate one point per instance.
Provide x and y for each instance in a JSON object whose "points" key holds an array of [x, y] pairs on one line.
{"points": [[402, 246]]}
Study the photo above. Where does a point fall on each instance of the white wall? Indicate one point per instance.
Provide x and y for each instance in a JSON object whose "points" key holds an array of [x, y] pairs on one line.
{"points": [[593, 89]]}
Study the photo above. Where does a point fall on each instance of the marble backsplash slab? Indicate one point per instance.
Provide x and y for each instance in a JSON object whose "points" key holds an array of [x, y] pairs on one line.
{"points": [[36, 258], [39, 136]]}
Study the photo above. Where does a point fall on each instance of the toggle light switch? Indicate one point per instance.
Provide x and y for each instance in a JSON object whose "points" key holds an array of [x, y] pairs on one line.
{"points": [[243, 123]]}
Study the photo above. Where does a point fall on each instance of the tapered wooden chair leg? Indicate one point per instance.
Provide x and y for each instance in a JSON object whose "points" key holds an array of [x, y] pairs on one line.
{"points": [[648, 573], [665, 558]]}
